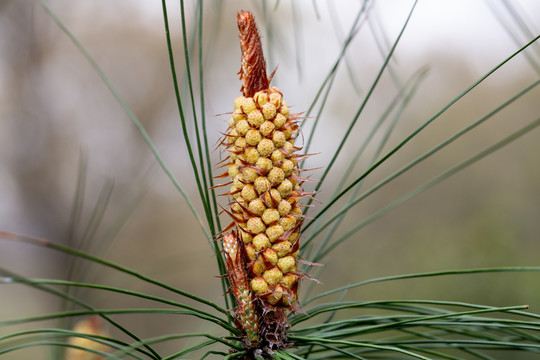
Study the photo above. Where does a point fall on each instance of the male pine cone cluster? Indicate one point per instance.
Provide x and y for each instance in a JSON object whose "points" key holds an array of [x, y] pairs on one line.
{"points": [[265, 190]]}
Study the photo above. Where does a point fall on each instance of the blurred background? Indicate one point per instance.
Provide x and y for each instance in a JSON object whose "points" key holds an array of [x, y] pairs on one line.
{"points": [[62, 130]]}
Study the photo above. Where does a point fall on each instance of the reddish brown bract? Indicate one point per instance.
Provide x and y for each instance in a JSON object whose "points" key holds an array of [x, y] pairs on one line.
{"points": [[253, 70]]}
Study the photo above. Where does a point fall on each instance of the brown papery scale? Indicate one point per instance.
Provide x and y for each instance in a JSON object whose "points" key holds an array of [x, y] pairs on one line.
{"points": [[253, 70]]}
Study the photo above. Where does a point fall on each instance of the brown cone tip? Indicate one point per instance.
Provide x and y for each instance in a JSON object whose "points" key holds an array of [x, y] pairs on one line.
{"points": [[253, 70]]}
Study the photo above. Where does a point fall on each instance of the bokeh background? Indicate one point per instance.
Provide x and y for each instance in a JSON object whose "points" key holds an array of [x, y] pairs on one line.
{"points": [[57, 117]]}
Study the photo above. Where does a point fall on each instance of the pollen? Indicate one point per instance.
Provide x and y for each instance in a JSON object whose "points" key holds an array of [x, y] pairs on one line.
{"points": [[265, 147], [272, 198], [261, 242], [257, 207], [246, 237], [287, 222], [288, 147], [284, 109], [249, 193], [279, 139], [249, 174], [270, 216], [233, 170], [265, 164], [284, 208], [289, 280], [242, 127], [261, 98], [255, 118], [239, 181], [294, 237], [275, 99], [238, 102], [266, 128], [273, 276], [240, 143], [238, 115], [271, 256], [259, 286], [262, 184], [274, 232], [251, 253], [277, 156], [285, 188], [276, 295], [269, 111], [276, 176], [287, 166], [255, 225], [287, 264], [258, 267], [280, 120], [253, 137], [233, 135], [282, 248], [248, 105], [251, 155]]}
